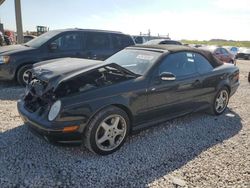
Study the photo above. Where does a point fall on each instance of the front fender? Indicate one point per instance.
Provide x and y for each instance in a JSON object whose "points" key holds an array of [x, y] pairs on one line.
{"points": [[84, 111]]}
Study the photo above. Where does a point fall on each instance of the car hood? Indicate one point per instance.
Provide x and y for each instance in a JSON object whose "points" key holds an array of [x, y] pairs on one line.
{"points": [[53, 72], [6, 50], [56, 70], [62, 67]]}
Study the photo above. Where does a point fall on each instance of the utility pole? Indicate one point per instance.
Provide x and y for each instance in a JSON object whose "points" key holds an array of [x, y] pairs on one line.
{"points": [[1, 25], [19, 26], [1, 1]]}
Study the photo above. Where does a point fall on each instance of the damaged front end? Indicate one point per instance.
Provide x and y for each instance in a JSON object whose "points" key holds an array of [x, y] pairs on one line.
{"points": [[41, 93], [53, 104], [37, 98]]}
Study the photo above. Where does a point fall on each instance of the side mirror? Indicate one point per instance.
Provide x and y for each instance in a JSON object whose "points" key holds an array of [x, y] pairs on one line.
{"points": [[167, 76], [53, 46]]}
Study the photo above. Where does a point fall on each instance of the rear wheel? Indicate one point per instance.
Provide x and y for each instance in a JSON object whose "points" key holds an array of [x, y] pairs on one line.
{"points": [[220, 101], [107, 131], [23, 74]]}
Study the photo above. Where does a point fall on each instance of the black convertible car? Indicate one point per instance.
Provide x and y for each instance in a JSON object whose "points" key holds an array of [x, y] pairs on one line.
{"points": [[100, 103]]}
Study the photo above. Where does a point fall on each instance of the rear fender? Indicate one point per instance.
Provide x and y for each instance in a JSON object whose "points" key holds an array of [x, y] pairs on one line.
{"points": [[223, 83]]}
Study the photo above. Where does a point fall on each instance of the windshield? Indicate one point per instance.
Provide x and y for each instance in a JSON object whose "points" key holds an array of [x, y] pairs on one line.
{"points": [[42, 39], [234, 49], [136, 61]]}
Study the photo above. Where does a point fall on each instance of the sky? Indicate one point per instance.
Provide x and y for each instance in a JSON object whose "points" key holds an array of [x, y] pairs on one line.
{"points": [[181, 19]]}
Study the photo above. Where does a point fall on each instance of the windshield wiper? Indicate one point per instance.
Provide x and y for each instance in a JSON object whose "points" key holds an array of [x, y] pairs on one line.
{"points": [[26, 45]]}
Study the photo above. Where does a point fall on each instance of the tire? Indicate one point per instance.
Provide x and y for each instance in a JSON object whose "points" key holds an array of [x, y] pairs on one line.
{"points": [[215, 109], [21, 74], [107, 131]]}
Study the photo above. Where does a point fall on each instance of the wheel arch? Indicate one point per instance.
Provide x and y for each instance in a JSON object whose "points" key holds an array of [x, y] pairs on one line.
{"points": [[224, 84], [121, 106], [228, 87], [21, 65], [125, 109]]}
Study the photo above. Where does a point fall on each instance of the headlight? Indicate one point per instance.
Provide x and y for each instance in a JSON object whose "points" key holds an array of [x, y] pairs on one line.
{"points": [[54, 110], [4, 59]]}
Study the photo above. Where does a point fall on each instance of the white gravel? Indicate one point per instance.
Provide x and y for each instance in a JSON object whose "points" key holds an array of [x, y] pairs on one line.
{"points": [[197, 150]]}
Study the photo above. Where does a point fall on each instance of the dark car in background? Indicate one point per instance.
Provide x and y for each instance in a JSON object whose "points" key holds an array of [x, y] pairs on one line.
{"points": [[221, 53], [75, 100], [163, 41], [17, 60], [243, 54]]}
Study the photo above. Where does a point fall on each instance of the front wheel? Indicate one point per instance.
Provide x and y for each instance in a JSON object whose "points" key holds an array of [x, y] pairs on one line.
{"points": [[107, 131], [220, 101], [23, 75]]}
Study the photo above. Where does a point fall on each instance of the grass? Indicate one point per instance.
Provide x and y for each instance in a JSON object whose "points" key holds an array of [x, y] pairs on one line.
{"points": [[219, 43]]}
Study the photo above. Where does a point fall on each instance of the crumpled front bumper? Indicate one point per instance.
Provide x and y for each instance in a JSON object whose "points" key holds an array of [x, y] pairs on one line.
{"points": [[50, 131]]}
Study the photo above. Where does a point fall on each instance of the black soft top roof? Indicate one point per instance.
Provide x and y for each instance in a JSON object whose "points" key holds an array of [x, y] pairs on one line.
{"points": [[215, 62]]}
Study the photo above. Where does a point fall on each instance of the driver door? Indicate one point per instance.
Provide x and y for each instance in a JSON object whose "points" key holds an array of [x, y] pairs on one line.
{"points": [[170, 98]]}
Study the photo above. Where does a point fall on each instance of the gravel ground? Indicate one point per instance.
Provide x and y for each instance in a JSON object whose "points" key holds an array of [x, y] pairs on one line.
{"points": [[197, 150]]}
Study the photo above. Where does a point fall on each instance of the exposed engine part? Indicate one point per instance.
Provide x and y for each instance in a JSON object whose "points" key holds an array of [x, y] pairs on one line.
{"points": [[37, 87], [92, 80], [35, 98]]}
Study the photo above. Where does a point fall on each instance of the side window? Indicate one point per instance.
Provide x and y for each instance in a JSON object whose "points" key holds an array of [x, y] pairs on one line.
{"points": [[97, 41], [67, 42], [121, 41], [202, 64], [139, 40], [180, 64], [234, 49], [224, 51], [218, 51]]}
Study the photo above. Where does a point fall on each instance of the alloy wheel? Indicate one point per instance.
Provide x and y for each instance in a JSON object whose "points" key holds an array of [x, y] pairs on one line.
{"points": [[26, 76], [221, 101], [111, 132]]}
